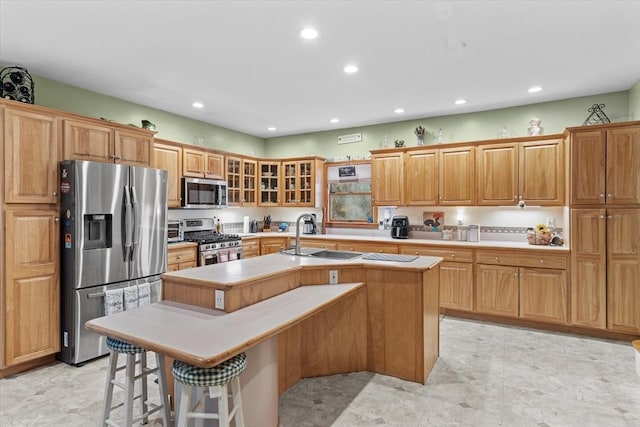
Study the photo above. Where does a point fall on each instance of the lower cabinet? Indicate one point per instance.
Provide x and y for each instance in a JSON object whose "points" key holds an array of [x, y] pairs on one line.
{"points": [[31, 300], [367, 247], [513, 284], [180, 257], [250, 247], [456, 275], [272, 245]]}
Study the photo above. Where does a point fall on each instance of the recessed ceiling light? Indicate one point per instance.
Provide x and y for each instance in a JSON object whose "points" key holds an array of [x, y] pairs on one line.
{"points": [[308, 33], [398, 110], [335, 120], [350, 69], [271, 128], [535, 89], [197, 104], [460, 101]]}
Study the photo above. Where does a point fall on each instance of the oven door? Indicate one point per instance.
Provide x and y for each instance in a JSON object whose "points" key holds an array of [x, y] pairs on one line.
{"points": [[207, 258]]}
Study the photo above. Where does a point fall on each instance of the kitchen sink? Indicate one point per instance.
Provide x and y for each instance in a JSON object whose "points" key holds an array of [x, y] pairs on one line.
{"points": [[323, 253]]}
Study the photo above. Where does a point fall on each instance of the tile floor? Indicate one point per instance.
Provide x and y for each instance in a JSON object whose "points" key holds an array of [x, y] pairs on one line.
{"points": [[487, 375]]}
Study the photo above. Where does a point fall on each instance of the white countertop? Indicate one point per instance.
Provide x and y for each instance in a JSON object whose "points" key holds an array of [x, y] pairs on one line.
{"points": [[493, 244], [206, 337], [231, 273]]}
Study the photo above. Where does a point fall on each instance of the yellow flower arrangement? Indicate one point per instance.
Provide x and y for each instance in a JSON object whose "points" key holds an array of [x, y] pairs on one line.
{"points": [[541, 229]]}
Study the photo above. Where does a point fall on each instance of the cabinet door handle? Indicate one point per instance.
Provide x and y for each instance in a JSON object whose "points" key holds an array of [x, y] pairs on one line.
{"points": [[54, 193], [56, 219], [602, 195], [609, 195], [515, 274], [609, 216], [603, 217]]}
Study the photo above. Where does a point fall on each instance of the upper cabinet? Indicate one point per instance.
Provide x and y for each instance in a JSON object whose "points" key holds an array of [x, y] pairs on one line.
{"points": [[530, 171], [605, 165], [87, 140], [387, 180], [422, 177], [31, 155], [457, 183], [241, 181], [302, 182], [202, 164], [169, 158], [269, 183]]}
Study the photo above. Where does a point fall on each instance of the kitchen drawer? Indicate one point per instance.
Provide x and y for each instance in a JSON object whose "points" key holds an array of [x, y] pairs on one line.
{"points": [[367, 247], [251, 245], [181, 255], [522, 259], [449, 254]]}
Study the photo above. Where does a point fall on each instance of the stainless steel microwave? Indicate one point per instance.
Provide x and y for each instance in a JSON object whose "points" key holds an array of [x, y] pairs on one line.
{"points": [[202, 193]]}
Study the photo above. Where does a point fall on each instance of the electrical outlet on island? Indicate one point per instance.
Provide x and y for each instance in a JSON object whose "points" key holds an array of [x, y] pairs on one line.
{"points": [[219, 302], [333, 277]]}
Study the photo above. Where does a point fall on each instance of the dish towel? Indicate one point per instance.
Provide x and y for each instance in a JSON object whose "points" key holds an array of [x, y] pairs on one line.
{"points": [[130, 297], [223, 256], [113, 301], [144, 294], [233, 254]]}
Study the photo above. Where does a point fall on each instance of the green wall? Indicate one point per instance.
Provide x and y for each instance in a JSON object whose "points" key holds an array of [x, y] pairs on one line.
{"points": [[634, 101], [555, 116], [63, 97]]}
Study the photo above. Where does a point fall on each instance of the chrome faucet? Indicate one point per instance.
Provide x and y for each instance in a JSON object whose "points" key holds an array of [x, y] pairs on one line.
{"points": [[305, 216]]}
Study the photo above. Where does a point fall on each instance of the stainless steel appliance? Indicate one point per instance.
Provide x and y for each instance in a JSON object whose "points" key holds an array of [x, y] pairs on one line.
{"points": [[213, 247], [309, 226], [474, 233], [174, 230], [114, 235], [199, 193], [400, 227]]}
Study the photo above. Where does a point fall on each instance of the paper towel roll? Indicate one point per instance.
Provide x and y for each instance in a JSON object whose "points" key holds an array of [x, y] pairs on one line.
{"points": [[245, 224]]}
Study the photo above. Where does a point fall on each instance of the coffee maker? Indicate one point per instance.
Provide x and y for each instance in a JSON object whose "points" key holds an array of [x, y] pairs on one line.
{"points": [[309, 226], [400, 227]]}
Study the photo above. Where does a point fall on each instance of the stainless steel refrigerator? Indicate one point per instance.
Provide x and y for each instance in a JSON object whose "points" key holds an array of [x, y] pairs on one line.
{"points": [[114, 235]]}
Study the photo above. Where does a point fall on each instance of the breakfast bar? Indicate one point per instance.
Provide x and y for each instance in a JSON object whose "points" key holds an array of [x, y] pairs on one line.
{"points": [[381, 316]]}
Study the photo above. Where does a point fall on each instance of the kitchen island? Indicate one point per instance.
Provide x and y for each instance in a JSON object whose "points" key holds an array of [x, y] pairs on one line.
{"points": [[384, 319]]}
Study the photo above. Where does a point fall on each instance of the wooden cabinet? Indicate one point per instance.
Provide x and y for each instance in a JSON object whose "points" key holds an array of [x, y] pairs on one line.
{"points": [[357, 246], [605, 165], [202, 164], [518, 284], [241, 181], [623, 270], [301, 180], [31, 300], [456, 274], [317, 243], [605, 263], [421, 178], [250, 247], [457, 176], [589, 268], [387, 179], [94, 141], [531, 171], [271, 245], [31, 155], [181, 256], [269, 183], [169, 158]]}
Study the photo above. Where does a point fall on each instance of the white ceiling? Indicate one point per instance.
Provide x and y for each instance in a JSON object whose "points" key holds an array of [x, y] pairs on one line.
{"points": [[245, 61]]}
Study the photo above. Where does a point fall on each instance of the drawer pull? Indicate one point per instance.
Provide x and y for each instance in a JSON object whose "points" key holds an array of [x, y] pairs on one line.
{"points": [[541, 261], [453, 255], [498, 259], [179, 257]]}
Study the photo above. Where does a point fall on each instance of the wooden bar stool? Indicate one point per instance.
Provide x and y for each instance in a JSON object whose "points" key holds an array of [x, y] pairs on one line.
{"points": [[134, 356], [215, 382]]}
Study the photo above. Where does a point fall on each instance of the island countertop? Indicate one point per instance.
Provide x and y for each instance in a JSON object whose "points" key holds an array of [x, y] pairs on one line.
{"points": [[228, 274]]}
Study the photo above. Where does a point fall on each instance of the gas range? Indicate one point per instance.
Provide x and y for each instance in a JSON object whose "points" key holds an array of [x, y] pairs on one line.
{"points": [[212, 247], [208, 240]]}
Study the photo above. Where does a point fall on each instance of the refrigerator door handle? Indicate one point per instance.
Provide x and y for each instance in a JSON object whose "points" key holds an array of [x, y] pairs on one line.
{"points": [[95, 295], [135, 226], [128, 224]]}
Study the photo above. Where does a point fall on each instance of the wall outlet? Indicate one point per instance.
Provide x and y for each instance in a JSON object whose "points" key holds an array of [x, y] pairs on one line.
{"points": [[333, 277], [219, 302]]}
